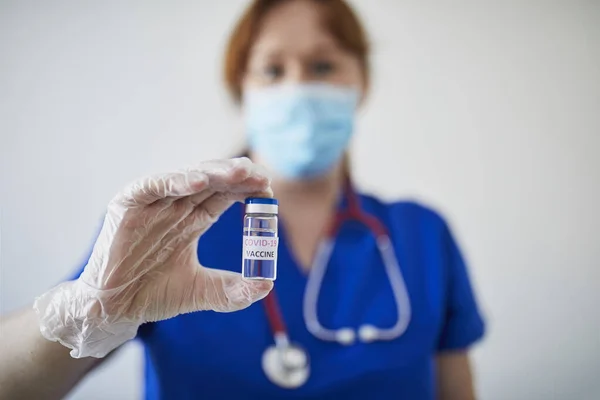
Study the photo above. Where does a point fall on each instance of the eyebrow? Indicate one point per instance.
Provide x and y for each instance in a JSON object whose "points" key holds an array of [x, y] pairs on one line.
{"points": [[326, 47], [268, 51], [264, 51]]}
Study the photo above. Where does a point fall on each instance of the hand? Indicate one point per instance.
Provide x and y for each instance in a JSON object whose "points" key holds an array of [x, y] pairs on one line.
{"points": [[144, 265]]}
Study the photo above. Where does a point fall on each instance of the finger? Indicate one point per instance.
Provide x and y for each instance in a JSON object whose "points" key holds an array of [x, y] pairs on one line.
{"points": [[220, 175], [199, 198], [223, 173], [238, 174], [156, 187], [231, 175], [241, 197], [198, 221], [259, 179], [210, 211], [254, 183], [214, 207], [226, 291], [188, 230]]}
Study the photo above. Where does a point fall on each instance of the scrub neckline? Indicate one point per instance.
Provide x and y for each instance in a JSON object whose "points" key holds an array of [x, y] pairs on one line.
{"points": [[289, 251]]}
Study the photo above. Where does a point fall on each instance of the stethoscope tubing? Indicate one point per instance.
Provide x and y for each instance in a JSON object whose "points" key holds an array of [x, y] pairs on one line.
{"points": [[366, 333]]}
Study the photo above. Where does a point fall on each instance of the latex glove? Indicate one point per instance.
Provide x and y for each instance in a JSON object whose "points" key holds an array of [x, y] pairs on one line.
{"points": [[144, 265]]}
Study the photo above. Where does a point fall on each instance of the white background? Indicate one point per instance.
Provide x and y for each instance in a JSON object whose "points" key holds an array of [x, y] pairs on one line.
{"points": [[489, 111]]}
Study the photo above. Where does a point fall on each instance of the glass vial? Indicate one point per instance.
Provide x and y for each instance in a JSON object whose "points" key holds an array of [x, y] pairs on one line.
{"points": [[260, 239]]}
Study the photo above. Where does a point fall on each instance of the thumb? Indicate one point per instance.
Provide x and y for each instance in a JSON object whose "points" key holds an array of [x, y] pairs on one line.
{"points": [[226, 291]]}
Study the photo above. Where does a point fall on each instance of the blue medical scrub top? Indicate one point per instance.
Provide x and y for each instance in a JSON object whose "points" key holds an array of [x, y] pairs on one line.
{"points": [[209, 355]]}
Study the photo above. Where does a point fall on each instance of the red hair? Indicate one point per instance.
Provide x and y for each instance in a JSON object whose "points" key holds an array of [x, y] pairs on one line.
{"points": [[338, 18]]}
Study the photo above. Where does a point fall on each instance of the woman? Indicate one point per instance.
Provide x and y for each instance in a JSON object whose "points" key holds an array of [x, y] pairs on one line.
{"points": [[299, 69]]}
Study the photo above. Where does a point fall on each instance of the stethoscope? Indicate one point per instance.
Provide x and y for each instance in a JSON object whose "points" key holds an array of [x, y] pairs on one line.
{"points": [[287, 364]]}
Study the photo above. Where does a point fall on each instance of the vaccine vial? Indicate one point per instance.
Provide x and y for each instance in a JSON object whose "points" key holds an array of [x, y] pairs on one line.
{"points": [[260, 239]]}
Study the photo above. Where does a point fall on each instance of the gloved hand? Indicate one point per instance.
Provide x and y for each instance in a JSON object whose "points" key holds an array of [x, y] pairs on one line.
{"points": [[144, 265]]}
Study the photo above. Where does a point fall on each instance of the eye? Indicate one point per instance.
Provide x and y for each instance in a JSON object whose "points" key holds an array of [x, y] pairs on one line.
{"points": [[272, 72], [322, 68]]}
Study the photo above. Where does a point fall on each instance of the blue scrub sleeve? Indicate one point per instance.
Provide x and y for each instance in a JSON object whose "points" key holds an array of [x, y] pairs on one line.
{"points": [[463, 324], [77, 272]]}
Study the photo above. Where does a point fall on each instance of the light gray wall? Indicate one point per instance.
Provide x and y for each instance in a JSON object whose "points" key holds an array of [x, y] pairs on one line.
{"points": [[489, 111]]}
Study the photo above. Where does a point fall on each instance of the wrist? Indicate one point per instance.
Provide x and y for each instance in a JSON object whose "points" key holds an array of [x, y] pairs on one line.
{"points": [[75, 315]]}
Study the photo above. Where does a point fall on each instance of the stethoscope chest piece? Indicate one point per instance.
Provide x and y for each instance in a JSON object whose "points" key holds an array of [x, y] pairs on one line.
{"points": [[286, 366]]}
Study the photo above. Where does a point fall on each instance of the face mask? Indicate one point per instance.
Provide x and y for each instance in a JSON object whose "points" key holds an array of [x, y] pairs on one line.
{"points": [[301, 131]]}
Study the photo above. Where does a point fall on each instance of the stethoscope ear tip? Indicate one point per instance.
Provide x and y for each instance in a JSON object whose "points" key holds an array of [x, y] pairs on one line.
{"points": [[368, 333], [345, 336]]}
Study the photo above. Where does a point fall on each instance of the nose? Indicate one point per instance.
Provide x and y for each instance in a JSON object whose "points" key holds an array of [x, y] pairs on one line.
{"points": [[297, 72]]}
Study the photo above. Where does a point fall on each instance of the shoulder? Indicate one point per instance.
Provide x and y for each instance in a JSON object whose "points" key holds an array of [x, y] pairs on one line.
{"points": [[407, 213]]}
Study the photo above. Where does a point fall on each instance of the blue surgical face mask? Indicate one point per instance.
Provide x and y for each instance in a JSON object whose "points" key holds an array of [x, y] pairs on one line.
{"points": [[301, 131]]}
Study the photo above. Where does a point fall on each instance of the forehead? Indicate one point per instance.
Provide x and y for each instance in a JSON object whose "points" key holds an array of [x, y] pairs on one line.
{"points": [[293, 26]]}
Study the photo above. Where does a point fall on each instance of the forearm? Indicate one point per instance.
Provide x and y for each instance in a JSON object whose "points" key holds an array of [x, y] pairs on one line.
{"points": [[454, 376], [32, 367]]}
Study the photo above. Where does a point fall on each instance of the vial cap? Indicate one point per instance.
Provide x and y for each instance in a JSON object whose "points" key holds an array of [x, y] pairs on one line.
{"points": [[261, 200], [261, 205]]}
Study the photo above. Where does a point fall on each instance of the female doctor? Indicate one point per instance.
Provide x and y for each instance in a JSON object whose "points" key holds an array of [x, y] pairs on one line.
{"points": [[372, 299]]}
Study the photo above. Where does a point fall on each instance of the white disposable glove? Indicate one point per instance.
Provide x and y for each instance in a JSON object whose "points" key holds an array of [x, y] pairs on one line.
{"points": [[144, 265]]}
